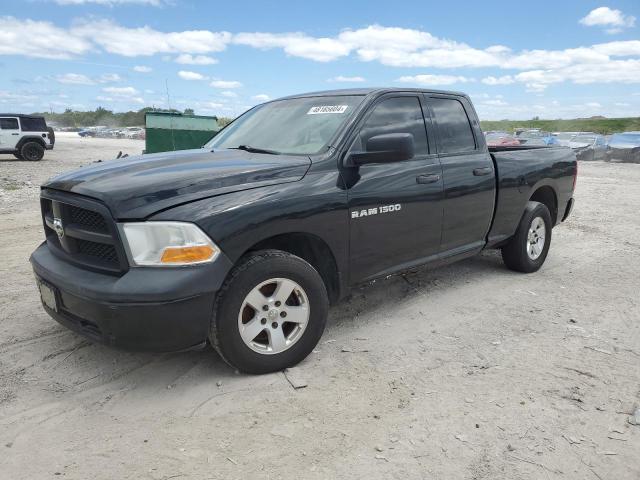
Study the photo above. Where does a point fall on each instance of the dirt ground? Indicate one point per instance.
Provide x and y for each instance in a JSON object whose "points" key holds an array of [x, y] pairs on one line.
{"points": [[469, 371]]}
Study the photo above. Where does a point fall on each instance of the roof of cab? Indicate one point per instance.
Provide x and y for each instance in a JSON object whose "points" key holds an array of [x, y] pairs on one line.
{"points": [[368, 91], [21, 115]]}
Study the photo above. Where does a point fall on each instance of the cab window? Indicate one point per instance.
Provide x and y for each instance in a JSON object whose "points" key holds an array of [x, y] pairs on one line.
{"points": [[9, 124], [454, 129]]}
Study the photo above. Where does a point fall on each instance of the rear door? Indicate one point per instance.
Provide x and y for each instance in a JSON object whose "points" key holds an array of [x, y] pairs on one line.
{"points": [[9, 133], [395, 208], [468, 173]]}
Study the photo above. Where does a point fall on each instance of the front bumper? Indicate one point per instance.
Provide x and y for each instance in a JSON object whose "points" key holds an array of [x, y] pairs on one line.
{"points": [[146, 309], [48, 146]]}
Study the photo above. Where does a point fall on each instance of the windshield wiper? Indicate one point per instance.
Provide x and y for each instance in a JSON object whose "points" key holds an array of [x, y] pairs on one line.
{"points": [[248, 148]]}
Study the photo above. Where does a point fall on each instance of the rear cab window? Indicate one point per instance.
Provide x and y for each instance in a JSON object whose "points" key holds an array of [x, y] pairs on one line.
{"points": [[455, 134], [9, 124], [33, 124]]}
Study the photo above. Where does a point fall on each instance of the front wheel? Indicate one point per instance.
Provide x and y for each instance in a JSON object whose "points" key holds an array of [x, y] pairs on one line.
{"points": [[528, 248], [270, 312]]}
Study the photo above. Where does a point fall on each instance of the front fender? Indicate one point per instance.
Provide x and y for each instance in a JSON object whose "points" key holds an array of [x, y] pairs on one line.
{"points": [[237, 221]]}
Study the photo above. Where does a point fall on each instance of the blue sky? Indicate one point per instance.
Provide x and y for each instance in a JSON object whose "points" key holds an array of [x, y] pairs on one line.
{"points": [[550, 59]]}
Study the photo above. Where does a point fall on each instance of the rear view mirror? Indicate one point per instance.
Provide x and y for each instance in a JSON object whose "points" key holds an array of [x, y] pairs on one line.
{"points": [[387, 148]]}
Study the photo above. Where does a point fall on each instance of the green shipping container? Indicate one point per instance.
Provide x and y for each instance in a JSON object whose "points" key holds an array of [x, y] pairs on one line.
{"points": [[174, 131]]}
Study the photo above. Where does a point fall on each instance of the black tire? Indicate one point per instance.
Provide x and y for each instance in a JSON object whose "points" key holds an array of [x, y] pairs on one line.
{"points": [[515, 254], [32, 151], [18, 156], [256, 268]]}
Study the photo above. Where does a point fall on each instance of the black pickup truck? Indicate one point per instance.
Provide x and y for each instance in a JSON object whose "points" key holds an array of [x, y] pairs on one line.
{"points": [[247, 241]]}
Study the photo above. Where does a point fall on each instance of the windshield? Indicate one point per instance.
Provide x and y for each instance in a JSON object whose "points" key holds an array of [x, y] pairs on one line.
{"points": [[302, 126], [625, 140]]}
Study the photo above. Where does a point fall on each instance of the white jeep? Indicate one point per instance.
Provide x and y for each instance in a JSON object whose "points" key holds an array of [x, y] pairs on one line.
{"points": [[25, 136]]}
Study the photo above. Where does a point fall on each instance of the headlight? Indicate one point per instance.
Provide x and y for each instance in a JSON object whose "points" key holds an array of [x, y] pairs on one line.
{"points": [[168, 244]]}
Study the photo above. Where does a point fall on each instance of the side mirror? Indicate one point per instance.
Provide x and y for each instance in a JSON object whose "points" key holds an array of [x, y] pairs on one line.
{"points": [[387, 148]]}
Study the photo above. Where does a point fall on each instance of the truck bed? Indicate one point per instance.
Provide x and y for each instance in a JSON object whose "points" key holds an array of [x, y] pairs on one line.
{"points": [[522, 172]]}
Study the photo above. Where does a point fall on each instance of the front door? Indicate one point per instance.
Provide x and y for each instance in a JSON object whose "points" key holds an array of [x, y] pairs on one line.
{"points": [[395, 208], [9, 133], [469, 176]]}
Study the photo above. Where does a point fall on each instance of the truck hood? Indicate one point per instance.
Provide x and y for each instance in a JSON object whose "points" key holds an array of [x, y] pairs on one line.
{"points": [[136, 187]]}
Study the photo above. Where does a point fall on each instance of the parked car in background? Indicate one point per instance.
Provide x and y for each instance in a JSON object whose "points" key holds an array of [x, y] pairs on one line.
{"points": [[87, 132], [91, 131], [25, 136], [588, 147], [536, 137], [501, 139], [134, 132], [624, 148], [563, 138]]}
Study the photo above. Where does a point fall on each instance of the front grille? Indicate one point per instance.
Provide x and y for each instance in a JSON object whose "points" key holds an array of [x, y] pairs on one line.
{"points": [[87, 218], [102, 251], [89, 237]]}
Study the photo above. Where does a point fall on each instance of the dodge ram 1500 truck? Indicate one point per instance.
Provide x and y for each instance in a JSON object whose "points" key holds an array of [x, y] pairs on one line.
{"points": [[248, 240]]}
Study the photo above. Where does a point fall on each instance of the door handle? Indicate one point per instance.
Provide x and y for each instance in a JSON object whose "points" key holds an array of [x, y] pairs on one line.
{"points": [[478, 172], [424, 179], [15, 134]]}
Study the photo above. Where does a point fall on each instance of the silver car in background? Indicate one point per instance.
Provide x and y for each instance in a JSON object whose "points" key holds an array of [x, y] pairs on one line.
{"points": [[589, 147]]}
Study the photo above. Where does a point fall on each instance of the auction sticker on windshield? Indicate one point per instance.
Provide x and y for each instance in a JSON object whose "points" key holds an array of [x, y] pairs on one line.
{"points": [[327, 109]]}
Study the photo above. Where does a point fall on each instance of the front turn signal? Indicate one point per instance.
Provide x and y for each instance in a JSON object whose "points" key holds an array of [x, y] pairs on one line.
{"points": [[186, 255]]}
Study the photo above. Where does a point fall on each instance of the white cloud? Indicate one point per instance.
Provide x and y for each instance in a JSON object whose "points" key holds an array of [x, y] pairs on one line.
{"points": [[262, 97], [10, 97], [81, 79], [142, 69], [74, 79], [187, 59], [187, 75], [132, 42], [211, 105], [503, 80], [614, 20], [432, 80], [121, 95], [613, 71], [612, 62], [495, 102], [225, 84], [343, 79], [109, 78], [296, 44], [121, 91], [43, 40]]}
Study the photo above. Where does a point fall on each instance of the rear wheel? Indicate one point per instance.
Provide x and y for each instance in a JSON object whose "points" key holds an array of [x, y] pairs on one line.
{"points": [[270, 313], [18, 156], [32, 151], [528, 249]]}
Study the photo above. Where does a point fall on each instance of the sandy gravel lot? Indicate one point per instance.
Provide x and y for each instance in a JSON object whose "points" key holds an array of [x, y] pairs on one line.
{"points": [[465, 372]]}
